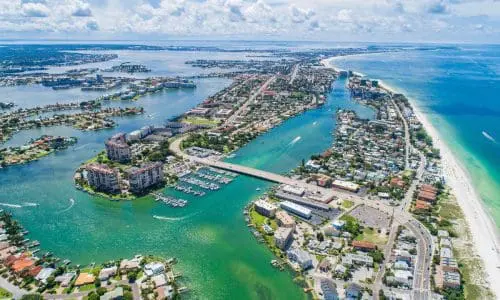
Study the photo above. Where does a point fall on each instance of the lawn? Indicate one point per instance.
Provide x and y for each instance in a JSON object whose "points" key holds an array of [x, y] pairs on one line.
{"points": [[4, 294], [347, 204], [87, 287], [200, 121], [372, 236]]}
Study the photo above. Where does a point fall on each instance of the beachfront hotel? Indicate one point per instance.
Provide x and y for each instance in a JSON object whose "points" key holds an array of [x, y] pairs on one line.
{"points": [[102, 178], [117, 148], [147, 175]]}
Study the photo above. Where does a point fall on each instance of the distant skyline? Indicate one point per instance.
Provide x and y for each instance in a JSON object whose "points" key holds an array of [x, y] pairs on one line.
{"points": [[454, 21]]}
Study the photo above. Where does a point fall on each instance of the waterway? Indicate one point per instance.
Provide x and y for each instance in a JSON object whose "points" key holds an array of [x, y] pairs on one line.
{"points": [[217, 254], [457, 88]]}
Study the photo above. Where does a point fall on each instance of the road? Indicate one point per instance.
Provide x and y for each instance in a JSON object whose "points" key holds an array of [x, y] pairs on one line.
{"points": [[136, 292], [400, 216], [16, 292], [407, 134], [252, 97], [294, 73]]}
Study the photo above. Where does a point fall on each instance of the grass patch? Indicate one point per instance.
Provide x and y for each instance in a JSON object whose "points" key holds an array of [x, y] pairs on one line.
{"points": [[372, 236], [4, 294], [450, 210], [200, 121], [347, 204], [87, 287]]}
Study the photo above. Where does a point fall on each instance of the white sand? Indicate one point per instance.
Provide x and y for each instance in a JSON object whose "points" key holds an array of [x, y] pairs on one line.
{"points": [[482, 227]]}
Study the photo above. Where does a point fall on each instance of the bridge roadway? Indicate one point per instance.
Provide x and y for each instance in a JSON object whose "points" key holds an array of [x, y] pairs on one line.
{"points": [[422, 288]]}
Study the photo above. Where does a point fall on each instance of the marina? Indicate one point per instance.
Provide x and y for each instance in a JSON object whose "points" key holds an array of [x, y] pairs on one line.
{"points": [[207, 179], [171, 201]]}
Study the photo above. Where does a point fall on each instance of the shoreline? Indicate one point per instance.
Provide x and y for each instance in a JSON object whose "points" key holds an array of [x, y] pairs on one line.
{"points": [[481, 225]]}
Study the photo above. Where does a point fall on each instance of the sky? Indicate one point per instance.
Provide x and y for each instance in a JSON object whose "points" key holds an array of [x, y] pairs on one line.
{"points": [[455, 21]]}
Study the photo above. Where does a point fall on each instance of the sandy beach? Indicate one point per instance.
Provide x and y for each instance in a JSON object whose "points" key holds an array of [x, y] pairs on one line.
{"points": [[482, 227], [480, 223]]}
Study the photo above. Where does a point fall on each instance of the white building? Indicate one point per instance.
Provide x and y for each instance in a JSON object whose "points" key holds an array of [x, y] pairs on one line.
{"points": [[44, 274], [301, 257], [359, 258], [345, 185], [265, 208], [295, 190], [296, 209], [154, 268]]}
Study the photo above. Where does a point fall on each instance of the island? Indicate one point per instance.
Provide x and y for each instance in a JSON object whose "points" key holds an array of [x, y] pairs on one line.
{"points": [[34, 149]]}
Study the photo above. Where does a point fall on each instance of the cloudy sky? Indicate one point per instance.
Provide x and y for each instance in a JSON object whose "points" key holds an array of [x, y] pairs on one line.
{"points": [[332, 20]]}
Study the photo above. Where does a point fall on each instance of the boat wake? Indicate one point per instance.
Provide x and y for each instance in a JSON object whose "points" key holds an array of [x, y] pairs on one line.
{"points": [[11, 205], [30, 204], [295, 140], [72, 202], [174, 218], [489, 137], [315, 122], [81, 147]]}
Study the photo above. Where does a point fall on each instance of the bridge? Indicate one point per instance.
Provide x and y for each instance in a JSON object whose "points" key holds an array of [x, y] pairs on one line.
{"points": [[322, 194]]}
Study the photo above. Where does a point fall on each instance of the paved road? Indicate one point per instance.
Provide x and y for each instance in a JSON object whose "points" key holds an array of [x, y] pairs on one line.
{"points": [[294, 73], [401, 216], [407, 134], [16, 292], [233, 117]]}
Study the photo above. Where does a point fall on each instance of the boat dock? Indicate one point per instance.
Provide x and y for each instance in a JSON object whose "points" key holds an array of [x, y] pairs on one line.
{"points": [[171, 201]]}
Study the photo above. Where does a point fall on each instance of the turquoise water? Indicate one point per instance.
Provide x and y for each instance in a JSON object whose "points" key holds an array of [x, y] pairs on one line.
{"points": [[217, 254], [219, 257], [458, 89]]}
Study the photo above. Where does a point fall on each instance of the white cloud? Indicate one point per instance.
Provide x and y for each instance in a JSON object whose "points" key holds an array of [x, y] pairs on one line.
{"points": [[312, 19], [37, 10]]}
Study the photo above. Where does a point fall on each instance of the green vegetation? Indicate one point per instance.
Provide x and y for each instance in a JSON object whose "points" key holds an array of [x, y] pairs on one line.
{"points": [[347, 204], [200, 121], [351, 225], [372, 236], [222, 143], [4, 294]]}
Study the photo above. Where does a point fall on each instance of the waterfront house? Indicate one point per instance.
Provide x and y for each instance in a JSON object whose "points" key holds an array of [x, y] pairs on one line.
{"points": [[84, 278], [126, 265], [33, 272], [154, 268], [65, 279], [159, 280], [301, 257], [21, 264], [44, 274], [106, 273]]}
